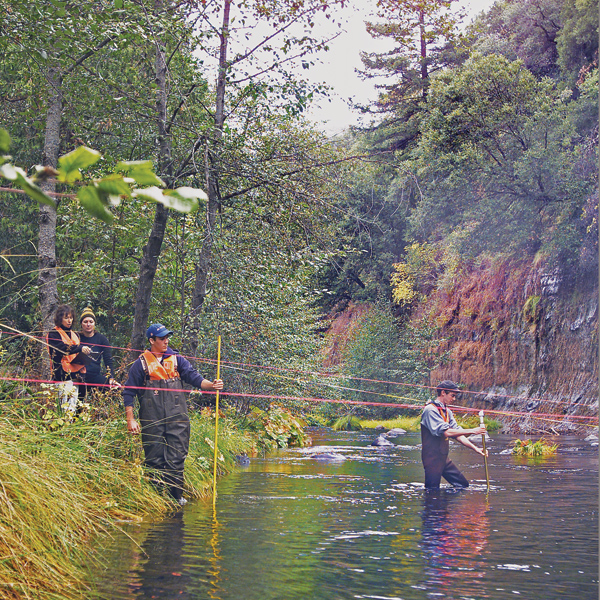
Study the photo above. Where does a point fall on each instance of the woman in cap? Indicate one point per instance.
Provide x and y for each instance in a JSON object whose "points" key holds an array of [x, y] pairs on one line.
{"points": [[101, 352]]}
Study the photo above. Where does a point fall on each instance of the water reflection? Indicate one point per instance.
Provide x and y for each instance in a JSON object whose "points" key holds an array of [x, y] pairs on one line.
{"points": [[159, 562], [289, 526], [455, 531], [214, 571]]}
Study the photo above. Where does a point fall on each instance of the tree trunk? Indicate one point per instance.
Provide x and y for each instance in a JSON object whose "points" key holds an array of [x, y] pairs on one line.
{"points": [[47, 284], [148, 267], [212, 183], [424, 70], [151, 253]]}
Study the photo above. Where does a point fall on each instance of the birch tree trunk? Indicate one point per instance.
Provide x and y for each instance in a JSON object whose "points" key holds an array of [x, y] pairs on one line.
{"points": [[47, 283]]}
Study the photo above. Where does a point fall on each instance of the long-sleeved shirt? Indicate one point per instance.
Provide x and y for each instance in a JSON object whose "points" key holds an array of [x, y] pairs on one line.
{"points": [[100, 346], [136, 381], [433, 419], [58, 349]]}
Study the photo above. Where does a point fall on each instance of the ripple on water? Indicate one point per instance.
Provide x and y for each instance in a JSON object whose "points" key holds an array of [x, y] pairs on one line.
{"points": [[366, 529]]}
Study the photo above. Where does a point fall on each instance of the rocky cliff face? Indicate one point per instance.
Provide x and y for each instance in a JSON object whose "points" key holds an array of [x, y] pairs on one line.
{"points": [[522, 339]]}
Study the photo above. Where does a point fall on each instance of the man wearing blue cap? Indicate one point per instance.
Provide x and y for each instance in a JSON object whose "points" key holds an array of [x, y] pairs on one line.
{"points": [[155, 378]]}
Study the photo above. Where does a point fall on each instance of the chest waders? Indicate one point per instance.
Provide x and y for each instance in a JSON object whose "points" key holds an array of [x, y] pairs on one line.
{"points": [[165, 432], [434, 454]]}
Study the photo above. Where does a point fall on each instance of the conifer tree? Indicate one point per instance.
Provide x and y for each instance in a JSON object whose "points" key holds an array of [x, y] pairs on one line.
{"points": [[424, 39]]}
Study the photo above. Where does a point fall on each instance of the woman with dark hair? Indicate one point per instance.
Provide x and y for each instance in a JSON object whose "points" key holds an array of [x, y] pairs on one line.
{"points": [[67, 364]]}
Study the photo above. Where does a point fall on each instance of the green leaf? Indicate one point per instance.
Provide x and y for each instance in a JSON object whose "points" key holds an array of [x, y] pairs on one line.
{"points": [[4, 141], [170, 198], [32, 190], [114, 185], [152, 193], [81, 158], [91, 201], [118, 4], [10, 172], [189, 193], [141, 171]]}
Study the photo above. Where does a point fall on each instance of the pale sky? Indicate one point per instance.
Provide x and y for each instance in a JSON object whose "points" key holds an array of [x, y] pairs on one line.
{"points": [[338, 67]]}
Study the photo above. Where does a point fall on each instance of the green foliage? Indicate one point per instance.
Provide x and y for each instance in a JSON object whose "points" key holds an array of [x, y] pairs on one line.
{"points": [[371, 230], [102, 193], [87, 479], [424, 37], [531, 311], [316, 418], [522, 30], [408, 423], [277, 428], [347, 423], [467, 421], [384, 352], [577, 42], [498, 160], [539, 448], [412, 279]]}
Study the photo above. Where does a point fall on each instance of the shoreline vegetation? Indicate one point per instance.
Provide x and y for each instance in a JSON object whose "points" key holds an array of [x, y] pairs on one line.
{"points": [[66, 481], [414, 423]]}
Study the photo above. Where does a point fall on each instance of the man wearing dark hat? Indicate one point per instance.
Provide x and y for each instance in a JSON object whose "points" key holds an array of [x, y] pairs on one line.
{"points": [[100, 352], [155, 378], [438, 425]]}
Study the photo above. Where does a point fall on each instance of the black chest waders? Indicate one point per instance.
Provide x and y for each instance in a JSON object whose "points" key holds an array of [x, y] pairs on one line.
{"points": [[165, 432], [434, 454]]}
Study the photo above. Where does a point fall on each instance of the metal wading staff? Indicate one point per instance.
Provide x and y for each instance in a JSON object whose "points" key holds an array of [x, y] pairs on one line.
{"points": [[216, 422], [487, 476]]}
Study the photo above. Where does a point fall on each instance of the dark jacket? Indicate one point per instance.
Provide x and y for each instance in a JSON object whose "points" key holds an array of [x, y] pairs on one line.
{"points": [[136, 381], [58, 349], [101, 349]]}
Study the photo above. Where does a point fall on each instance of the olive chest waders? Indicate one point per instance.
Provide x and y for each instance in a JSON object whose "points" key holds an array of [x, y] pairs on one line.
{"points": [[434, 454], [165, 432]]}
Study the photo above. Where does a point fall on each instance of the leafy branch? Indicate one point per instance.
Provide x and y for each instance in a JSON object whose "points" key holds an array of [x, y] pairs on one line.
{"points": [[101, 194]]}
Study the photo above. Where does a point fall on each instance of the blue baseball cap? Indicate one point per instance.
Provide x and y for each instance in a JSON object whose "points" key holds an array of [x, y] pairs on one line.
{"points": [[157, 330]]}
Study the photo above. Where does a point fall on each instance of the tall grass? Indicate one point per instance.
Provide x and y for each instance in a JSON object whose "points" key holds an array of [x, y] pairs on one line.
{"points": [[347, 423], [414, 423], [402, 422], [61, 488]]}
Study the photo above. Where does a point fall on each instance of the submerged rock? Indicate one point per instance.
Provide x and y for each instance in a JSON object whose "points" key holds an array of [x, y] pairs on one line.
{"points": [[328, 457], [382, 441], [396, 432], [477, 438]]}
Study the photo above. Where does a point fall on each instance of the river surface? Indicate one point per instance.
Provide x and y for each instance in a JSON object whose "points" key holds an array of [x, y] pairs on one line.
{"points": [[291, 527]]}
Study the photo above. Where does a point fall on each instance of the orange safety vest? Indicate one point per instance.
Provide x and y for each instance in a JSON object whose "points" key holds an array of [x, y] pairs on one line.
{"points": [[66, 361], [156, 370], [443, 412]]}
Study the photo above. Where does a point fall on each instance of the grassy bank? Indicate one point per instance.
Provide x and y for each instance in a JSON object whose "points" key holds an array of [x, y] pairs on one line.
{"points": [[62, 484], [413, 423]]}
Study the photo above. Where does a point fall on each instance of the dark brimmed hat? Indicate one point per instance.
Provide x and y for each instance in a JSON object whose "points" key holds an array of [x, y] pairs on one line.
{"points": [[446, 386], [157, 330]]}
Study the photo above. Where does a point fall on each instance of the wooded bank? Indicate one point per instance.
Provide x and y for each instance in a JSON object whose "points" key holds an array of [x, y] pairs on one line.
{"points": [[449, 215]]}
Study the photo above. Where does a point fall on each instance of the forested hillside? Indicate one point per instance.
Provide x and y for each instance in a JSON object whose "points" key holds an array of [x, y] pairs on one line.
{"points": [[460, 227], [486, 209]]}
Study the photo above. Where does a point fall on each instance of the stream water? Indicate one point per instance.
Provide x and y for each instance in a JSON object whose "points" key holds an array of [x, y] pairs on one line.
{"points": [[289, 526]]}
